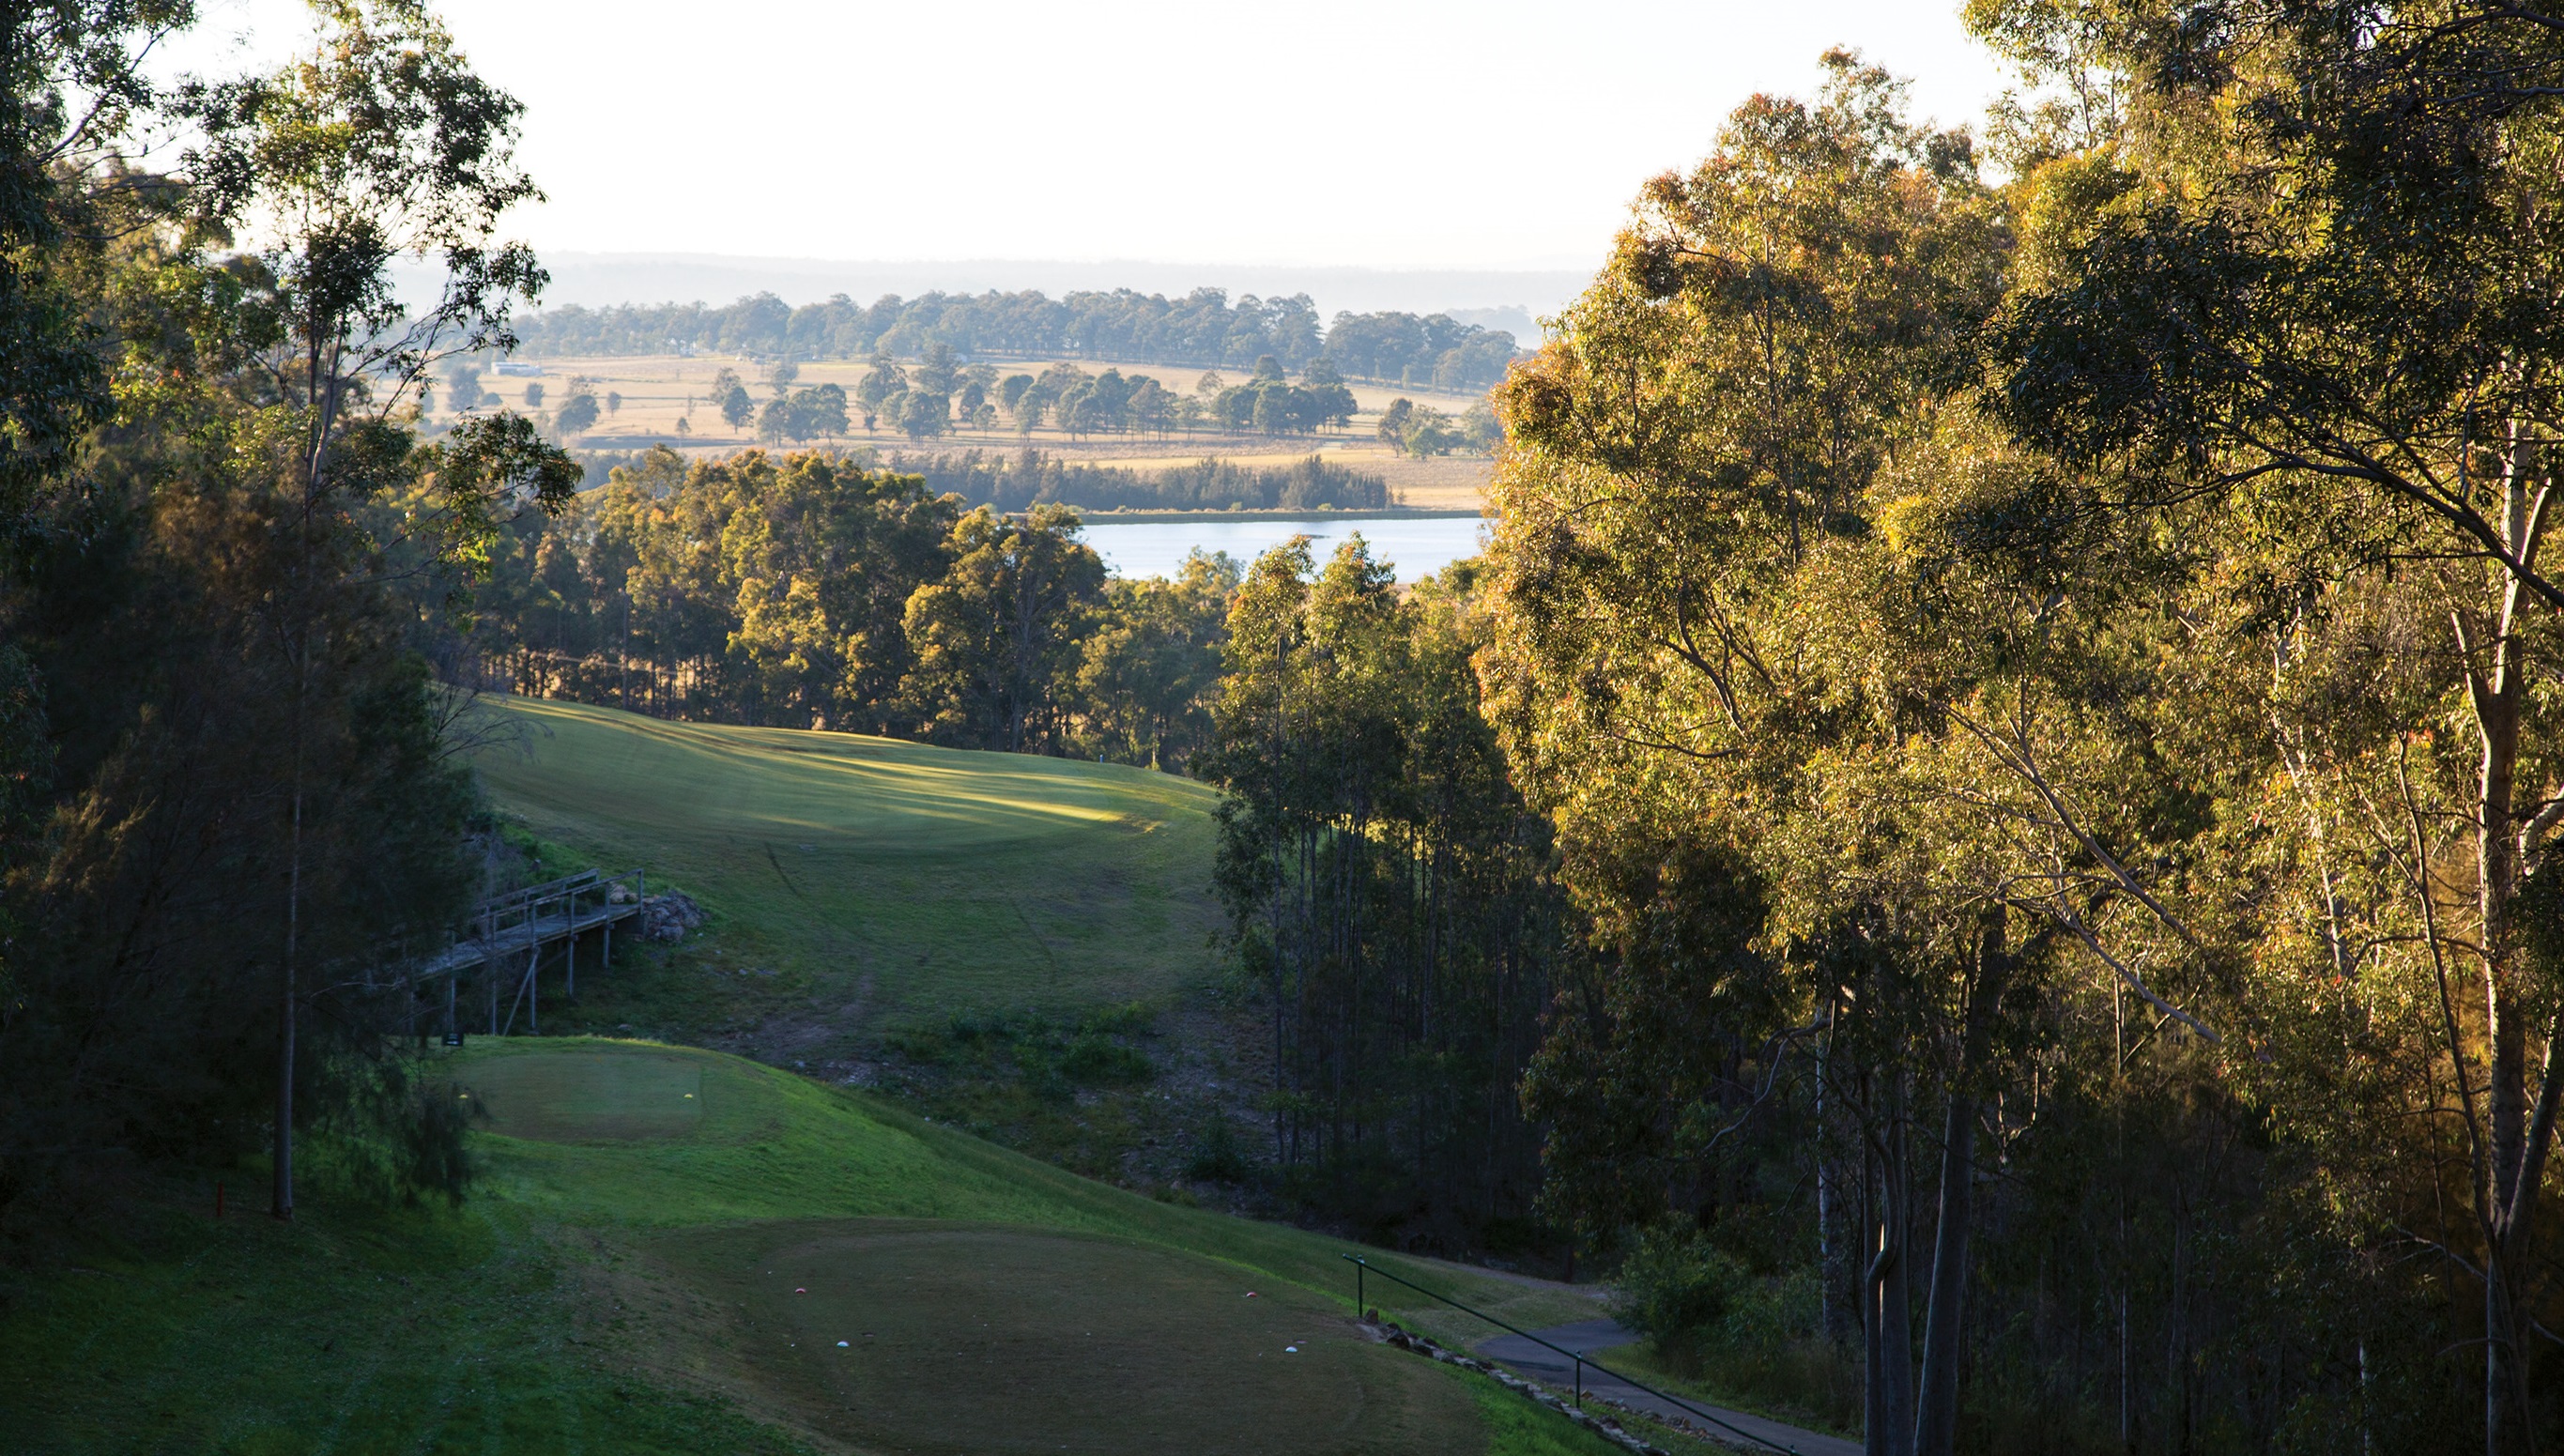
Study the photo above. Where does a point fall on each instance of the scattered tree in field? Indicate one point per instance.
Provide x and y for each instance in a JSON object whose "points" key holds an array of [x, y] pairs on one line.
{"points": [[535, 395], [882, 381], [924, 415], [577, 414], [938, 371], [1392, 423]]}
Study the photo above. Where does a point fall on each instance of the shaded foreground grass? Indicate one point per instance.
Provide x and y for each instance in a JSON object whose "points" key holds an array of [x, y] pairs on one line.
{"points": [[608, 1293], [934, 878], [349, 1331], [1096, 1345]]}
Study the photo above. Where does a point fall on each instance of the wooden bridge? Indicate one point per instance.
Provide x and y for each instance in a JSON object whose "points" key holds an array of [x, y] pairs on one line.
{"points": [[511, 933]]}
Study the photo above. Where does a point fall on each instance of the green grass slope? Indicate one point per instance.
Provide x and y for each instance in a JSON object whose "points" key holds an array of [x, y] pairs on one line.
{"points": [[907, 879], [668, 1249]]}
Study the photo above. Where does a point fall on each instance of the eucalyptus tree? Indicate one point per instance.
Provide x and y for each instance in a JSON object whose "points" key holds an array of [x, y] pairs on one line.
{"points": [[71, 82], [1714, 496], [996, 640], [2303, 298], [1387, 888], [379, 143]]}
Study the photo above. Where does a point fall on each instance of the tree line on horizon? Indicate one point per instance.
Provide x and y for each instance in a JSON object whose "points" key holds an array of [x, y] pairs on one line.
{"points": [[1202, 329]]}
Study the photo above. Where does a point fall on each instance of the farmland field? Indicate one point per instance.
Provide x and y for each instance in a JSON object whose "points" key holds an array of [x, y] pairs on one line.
{"points": [[658, 391]]}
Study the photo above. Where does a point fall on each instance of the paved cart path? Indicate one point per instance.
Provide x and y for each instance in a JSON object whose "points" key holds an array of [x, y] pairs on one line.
{"points": [[1587, 1336]]}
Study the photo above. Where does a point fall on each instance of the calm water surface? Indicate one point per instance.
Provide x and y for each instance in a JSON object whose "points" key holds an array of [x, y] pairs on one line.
{"points": [[1418, 547]]}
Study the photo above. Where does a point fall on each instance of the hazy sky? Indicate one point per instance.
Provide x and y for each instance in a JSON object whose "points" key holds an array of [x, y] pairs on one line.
{"points": [[1390, 133]]}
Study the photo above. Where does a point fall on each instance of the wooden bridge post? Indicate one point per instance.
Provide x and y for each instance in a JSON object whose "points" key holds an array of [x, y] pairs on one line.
{"points": [[569, 951]]}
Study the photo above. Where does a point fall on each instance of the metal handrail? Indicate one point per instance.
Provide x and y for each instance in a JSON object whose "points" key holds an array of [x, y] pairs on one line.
{"points": [[1364, 1266]]}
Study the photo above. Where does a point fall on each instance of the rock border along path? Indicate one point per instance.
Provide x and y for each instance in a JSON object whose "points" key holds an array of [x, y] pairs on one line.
{"points": [[1587, 1335]]}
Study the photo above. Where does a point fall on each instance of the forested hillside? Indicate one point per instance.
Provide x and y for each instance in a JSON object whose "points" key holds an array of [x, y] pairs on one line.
{"points": [[1201, 328], [1983, 837], [2038, 654], [230, 781]]}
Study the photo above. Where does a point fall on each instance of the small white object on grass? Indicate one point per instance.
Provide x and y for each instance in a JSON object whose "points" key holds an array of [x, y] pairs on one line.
{"points": [[842, 1345], [1290, 1349]]}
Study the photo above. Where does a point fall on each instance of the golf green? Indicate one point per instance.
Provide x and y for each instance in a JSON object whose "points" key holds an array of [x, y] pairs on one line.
{"points": [[591, 1096], [941, 1337]]}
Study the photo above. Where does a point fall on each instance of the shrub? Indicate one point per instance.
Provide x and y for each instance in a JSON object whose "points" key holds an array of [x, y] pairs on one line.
{"points": [[1093, 1059], [1217, 1158], [1677, 1290]]}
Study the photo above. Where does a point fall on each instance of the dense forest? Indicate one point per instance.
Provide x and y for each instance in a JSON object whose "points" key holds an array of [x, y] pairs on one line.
{"points": [[2035, 652], [232, 779], [808, 591], [1202, 329], [1979, 839]]}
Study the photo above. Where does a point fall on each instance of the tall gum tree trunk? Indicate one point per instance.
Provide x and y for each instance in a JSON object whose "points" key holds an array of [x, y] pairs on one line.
{"points": [[1936, 1421], [1936, 1416], [2516, 1144], [1886, 1305]]}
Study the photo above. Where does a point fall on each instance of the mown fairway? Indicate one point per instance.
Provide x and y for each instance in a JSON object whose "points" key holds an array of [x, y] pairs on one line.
{"points": [[904, 879], [1083, 1345], [629, 1281]]}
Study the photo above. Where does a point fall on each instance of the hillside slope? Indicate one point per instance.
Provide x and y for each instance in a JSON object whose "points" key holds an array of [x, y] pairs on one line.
{"points": [[668, 1249], [902, 880]]}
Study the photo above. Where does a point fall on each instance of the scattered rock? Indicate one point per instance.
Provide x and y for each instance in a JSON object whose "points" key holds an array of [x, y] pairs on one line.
{"points": [[668, 916], [1606, 1428]]}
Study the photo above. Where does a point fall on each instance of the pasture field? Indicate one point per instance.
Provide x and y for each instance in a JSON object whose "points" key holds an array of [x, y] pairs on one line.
{"points": [[635, 1280], [881, 880], [658, 391]]}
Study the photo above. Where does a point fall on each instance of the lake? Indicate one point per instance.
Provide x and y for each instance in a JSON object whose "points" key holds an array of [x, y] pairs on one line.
{"points": [[1421, 546]]}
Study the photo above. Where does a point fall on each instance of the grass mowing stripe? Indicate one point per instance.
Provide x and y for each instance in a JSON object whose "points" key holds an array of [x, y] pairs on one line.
{"points": [[953, 879]]}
